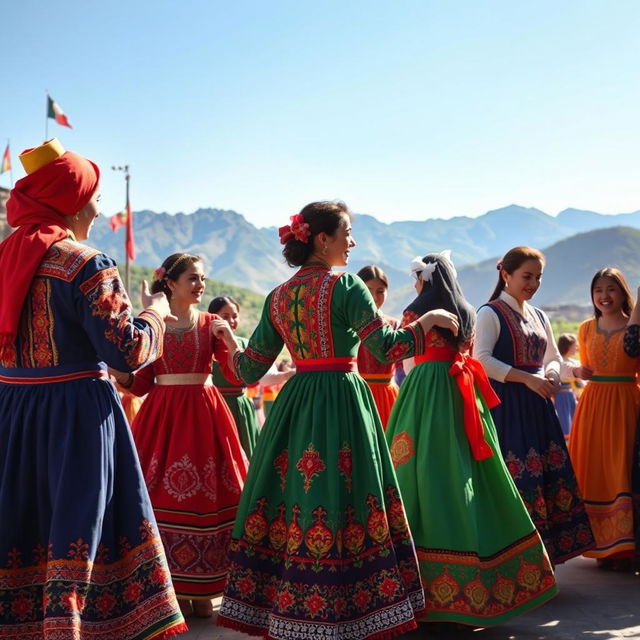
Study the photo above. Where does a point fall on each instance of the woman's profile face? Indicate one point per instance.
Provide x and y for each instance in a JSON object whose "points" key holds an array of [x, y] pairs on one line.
{"points": [[86, 217], [189, 286]]}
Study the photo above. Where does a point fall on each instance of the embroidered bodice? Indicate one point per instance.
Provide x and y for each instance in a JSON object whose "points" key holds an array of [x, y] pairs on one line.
{"points": [[523, 338], [319, 314], [77, 315], [604, 352], [189, 350]]}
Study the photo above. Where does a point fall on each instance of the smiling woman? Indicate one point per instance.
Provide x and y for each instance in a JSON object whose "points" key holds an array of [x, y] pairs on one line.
{"points": [[187, 440], [515, 344]]}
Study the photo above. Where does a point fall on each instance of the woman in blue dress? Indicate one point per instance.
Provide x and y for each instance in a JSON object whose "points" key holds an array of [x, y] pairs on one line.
{"points": [[80, 555], [515, 344]]}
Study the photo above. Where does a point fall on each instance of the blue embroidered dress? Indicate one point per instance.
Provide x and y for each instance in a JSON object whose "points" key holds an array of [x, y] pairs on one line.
{"points": [[531, 438], [80, 555]]}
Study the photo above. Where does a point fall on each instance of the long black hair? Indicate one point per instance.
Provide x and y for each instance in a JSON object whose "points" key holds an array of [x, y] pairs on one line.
{"points": [[442, 291]]}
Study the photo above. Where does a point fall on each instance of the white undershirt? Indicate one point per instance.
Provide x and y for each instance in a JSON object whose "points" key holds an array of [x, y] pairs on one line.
{"points": [[488, 331]]}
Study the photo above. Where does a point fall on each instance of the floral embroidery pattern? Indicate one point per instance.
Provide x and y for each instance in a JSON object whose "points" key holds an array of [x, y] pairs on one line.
{"points": [[281, 464], [402, 449], [345, 464], [38, 348], [181, 480], [310, 465]]}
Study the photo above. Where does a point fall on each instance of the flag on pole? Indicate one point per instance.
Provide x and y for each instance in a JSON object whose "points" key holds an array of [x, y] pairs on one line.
{"points": [[6, 160], [129, 243], [55, 112], [118, 220]]}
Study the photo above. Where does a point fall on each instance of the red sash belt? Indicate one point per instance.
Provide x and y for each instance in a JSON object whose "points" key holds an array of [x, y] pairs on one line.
{"points": [[377, 378], [231, 391], [469, 374], [327, 364], [63, 377]]}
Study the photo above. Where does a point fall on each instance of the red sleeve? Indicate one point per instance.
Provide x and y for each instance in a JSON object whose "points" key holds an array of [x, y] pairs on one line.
{"points": [[143, 380], [221, 354]]}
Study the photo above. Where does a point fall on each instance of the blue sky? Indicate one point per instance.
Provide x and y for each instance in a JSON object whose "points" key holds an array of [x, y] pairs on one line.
{"points": [[405, 109]]}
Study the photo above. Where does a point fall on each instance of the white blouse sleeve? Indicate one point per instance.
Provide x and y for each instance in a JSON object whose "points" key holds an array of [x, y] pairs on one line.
{"points": [[552, 357], [487, 334]]}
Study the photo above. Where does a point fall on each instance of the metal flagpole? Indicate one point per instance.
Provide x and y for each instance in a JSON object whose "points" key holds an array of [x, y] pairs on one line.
{"points": [[128, 207]]}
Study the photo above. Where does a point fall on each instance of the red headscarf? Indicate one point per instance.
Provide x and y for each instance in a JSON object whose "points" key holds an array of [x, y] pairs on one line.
{"points": [[37, 207]]}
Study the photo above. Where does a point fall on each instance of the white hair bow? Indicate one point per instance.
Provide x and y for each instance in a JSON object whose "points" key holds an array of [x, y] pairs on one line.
{"points": [[425, 270]]}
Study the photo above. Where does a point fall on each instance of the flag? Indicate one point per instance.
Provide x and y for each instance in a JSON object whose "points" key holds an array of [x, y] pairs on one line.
{"points": [[118, 220], [129, 244], [55, 112], [6, 160]]}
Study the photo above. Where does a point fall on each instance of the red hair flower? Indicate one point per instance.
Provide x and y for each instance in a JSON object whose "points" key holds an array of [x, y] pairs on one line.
{"points": [[159, 273], [298, 229]]}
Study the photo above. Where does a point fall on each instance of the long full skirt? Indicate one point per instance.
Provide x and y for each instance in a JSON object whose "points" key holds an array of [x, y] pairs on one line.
{"points": [[244, 415], [601, 447], [384, 395], [534, 450], [321, 545], [481, 559], [194, 468], [81, 556]]}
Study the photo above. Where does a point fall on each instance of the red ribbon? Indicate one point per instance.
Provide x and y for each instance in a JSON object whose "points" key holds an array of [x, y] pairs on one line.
{"points": [[469, 374]]}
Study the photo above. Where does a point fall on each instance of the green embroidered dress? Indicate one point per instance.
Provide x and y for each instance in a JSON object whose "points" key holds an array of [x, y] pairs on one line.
{"points": [[482, 560], [321, 545], [241, 407]]}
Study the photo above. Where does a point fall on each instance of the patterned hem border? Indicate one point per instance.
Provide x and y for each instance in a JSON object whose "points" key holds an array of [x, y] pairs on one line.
{"points": [[259, 631], [479, 621], [380, 624]]}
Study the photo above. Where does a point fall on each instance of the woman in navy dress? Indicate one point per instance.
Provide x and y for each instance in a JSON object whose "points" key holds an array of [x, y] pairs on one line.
{"points": [[80, 555]]}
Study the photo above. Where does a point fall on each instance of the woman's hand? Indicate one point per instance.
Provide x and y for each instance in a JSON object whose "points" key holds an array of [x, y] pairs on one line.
{"points": [[156, 302], [439, 318], [583, 372], [540, 385], [119, 376], [222, 331]]}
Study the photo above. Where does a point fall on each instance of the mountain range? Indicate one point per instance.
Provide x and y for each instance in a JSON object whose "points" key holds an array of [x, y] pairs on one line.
{"points": [[576, 242]]}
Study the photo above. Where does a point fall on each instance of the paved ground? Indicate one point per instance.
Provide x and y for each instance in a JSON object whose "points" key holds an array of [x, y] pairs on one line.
{"points": [[592, 605]]}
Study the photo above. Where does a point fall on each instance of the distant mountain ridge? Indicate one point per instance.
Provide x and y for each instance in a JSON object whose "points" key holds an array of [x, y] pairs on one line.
{"points": [[237, 252]]}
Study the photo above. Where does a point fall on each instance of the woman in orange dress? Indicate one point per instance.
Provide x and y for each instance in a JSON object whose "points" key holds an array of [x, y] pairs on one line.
{"points": [[378, 375], [603, 431]]}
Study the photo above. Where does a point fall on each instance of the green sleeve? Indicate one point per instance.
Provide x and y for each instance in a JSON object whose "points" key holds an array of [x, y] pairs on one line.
{"points": [[361, 314], [265, 344]]}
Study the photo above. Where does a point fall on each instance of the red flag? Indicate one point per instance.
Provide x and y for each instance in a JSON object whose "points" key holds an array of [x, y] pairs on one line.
{"points": [[6, 160], [129, 244], [118, 220]]}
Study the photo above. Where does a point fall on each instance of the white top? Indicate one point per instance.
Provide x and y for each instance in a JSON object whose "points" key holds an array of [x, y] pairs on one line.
{"points": [[488, 331]]}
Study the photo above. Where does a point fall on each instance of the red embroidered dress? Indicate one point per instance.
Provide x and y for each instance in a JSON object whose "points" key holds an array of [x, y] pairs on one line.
{"points": [[482, 560], [191, 457], [321, 546], [379, 376], [80, 556]]}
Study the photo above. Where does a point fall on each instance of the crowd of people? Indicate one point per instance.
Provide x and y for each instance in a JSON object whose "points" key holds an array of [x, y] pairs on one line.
{"points": [[433, 469]]}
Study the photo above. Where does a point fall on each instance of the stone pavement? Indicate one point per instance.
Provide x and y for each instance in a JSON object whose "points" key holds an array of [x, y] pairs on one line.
{"points": [[592, 605]]}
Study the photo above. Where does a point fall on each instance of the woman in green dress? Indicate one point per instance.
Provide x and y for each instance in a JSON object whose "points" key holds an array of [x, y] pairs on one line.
{"points": [[321, 545], [481, 559], [235, 395]]}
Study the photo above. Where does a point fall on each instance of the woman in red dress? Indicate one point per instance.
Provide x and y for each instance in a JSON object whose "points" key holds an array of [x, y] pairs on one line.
{"points": [[188, 444], [378, 375]]}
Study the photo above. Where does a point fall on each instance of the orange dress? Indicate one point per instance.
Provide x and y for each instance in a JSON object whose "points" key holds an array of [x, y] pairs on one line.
{"points": [[602, 439], [379, 376]]}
